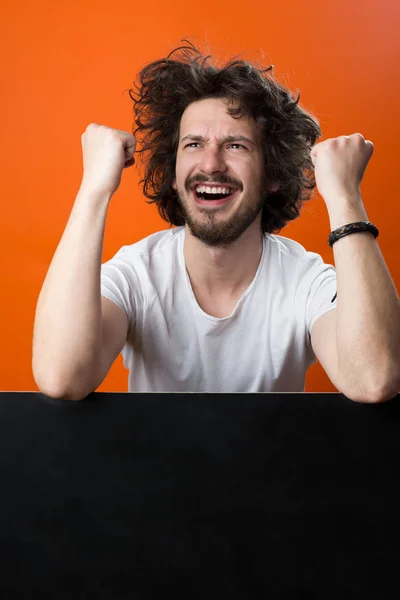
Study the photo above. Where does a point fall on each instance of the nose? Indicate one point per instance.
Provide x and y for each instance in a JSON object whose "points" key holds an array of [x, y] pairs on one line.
{"points": [[212, 160]]}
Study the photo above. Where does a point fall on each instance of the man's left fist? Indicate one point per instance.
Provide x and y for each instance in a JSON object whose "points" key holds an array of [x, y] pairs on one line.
{"points": [[339, 165]]}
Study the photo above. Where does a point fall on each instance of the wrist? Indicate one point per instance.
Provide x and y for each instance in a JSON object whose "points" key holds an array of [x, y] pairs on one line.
{"points": [[344, 212], [89, 193]]}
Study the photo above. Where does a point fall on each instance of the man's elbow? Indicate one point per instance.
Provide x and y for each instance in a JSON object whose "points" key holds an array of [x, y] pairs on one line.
{"points": [[382, 393], [57, 393]]}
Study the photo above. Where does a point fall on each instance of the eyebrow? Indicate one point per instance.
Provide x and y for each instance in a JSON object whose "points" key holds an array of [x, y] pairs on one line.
{"points": [[228, 138]]}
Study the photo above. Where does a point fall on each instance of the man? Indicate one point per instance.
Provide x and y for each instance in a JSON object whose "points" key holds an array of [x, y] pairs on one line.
{"points": [[219, 303]]}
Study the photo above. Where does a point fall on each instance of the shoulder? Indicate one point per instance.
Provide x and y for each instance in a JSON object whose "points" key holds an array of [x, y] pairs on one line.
{"points": [[289, 248], [302, 269], [160, 244], [291, 253]]}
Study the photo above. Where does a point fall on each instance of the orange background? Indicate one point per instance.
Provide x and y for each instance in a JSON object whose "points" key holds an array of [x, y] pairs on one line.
{"points": [[66, 65]]}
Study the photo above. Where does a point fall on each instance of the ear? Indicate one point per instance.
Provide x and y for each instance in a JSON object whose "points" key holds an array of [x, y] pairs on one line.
{"points": [[174, 183]]}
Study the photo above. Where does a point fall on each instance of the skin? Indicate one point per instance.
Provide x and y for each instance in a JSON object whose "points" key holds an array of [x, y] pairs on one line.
{"points": [[223, 245]]}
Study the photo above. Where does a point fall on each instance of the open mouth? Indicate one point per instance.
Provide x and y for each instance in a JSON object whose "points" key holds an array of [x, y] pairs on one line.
{"points": [[210, 199]]}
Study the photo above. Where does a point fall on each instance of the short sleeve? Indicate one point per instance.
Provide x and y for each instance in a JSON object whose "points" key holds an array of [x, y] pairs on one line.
{"points": [[321, 296], [117, 284]]}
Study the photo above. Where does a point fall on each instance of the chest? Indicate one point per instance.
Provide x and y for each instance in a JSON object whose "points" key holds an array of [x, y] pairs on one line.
{"points": [[218, 307]]}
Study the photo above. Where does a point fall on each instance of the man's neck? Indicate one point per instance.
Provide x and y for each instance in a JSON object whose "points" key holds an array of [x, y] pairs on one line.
{"points": [[223, 271]]}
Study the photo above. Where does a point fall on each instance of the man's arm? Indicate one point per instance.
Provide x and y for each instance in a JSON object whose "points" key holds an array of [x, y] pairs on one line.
{"points": [[67, 332], [368, 307]]}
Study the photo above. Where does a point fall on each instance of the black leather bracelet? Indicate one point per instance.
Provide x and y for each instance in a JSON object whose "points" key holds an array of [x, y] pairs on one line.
{"points": [[352, 228]]}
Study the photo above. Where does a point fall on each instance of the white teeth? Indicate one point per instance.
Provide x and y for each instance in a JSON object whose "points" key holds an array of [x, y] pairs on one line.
{"points": [[201, 189]]}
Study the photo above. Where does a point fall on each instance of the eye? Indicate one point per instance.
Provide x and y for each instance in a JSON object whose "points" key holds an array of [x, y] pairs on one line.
{"points": [[194, 143]]}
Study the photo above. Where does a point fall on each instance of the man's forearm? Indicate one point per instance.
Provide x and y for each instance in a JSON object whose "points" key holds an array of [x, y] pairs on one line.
{"points": [[368, 307]]}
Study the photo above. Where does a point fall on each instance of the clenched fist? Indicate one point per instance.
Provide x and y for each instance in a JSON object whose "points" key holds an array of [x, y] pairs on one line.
{"points": [[106, 152]]}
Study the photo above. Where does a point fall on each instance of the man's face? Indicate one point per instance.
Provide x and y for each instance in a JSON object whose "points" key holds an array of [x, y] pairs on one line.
{"points": [[237, 163]]}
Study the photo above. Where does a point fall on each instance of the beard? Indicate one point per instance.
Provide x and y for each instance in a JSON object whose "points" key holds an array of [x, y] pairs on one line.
{"points": [[215, 231]]}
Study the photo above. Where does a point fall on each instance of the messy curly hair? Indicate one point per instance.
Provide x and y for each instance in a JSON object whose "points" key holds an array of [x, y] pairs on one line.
{"points": [[167, 86]]}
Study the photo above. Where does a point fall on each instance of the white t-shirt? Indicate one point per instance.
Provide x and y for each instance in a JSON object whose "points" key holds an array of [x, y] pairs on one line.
{"points": [[174, 346]]}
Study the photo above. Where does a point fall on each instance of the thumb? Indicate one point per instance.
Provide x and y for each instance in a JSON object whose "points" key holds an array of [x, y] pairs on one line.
{"points": [[129, 163]]}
